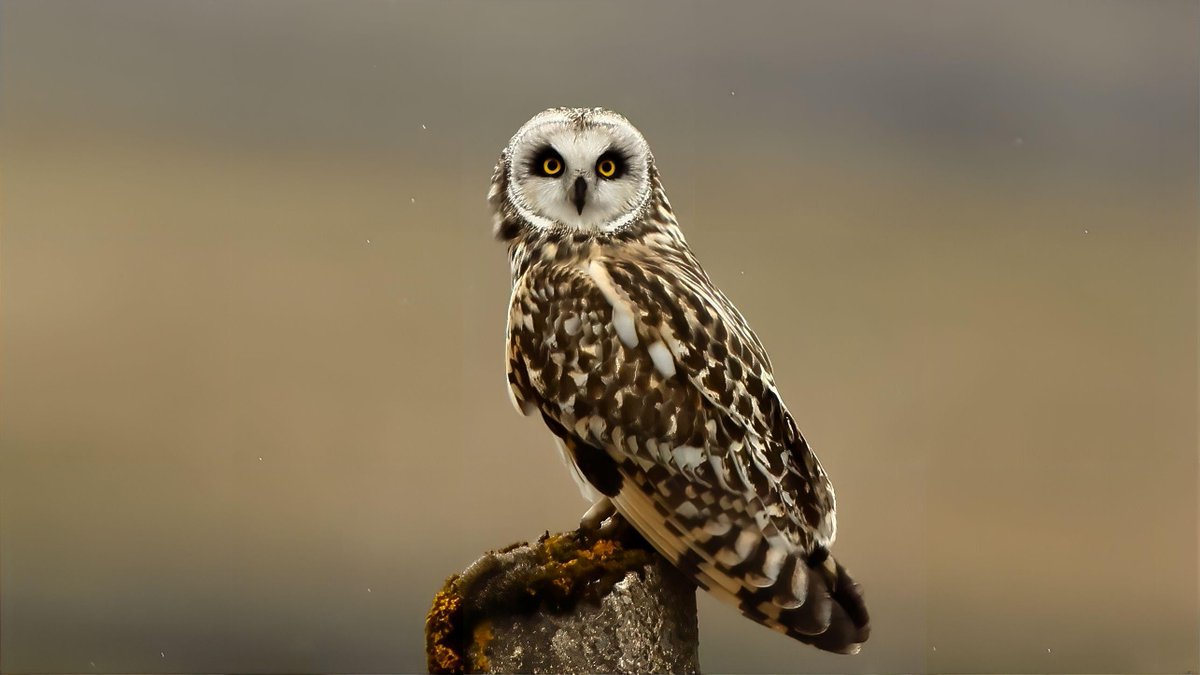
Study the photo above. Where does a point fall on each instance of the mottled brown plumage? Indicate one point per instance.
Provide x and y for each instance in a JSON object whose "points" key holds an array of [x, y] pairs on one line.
{"points": [[662, 396]]}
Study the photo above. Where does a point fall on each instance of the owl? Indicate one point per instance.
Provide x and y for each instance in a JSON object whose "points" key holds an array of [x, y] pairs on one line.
{"points": [[660, 395]]}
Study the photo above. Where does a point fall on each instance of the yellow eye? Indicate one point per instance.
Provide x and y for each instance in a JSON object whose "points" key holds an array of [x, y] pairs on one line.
{"points": [[607, 168], [551, 166]]}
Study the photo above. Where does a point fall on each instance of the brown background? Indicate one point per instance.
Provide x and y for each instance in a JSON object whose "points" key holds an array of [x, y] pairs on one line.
{"points": [[252, 380]]}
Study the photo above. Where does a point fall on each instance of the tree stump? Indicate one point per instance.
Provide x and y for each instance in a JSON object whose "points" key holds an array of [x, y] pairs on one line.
{"points": [[567, 603]]}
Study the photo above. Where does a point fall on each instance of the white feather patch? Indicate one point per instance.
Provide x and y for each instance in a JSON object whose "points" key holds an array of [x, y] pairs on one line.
{"points": [[687, 510], [718, 467], [687, 456], [718, 527], [746, 541], [662, 359], [728, 557], [771, 565], [622, 315]]}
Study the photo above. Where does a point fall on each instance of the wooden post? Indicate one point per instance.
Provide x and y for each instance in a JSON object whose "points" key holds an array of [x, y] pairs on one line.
{"points": [[566, 603]]}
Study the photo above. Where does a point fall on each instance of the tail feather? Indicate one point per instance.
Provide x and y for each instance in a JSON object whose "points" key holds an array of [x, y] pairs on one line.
{"points": [[817, 603], [848, 624]]}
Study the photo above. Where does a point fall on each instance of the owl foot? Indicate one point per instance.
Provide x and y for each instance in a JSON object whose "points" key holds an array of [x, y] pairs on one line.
{"points": [[614, 527], [593, 520], [602, 521]]}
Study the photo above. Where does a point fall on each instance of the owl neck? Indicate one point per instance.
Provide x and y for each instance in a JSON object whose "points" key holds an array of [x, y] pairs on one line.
{"points": [[656, 232], [655, 228]]}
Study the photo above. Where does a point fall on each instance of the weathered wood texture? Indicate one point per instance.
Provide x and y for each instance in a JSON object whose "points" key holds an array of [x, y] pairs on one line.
{"points": [[565, 604]]}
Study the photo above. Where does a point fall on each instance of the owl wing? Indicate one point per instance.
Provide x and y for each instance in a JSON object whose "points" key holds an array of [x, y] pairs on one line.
{"points": [[666, 403]]}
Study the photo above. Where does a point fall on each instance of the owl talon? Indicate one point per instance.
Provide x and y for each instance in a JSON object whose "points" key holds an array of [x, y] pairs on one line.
{"points": [[613, 527], [593, 520]]}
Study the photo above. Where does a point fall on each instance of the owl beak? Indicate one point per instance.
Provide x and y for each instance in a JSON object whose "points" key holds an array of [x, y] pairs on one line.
{"points": [[580, 194]]}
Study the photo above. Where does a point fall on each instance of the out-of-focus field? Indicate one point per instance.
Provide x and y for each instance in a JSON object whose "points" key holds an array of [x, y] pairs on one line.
{"points": [[252, 404]]}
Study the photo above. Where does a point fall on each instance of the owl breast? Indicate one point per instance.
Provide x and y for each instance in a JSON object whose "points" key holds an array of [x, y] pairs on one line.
{"points": [[607, 354]]}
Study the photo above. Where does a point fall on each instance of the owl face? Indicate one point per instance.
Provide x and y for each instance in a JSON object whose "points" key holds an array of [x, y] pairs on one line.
{"points": [[577, 168]]}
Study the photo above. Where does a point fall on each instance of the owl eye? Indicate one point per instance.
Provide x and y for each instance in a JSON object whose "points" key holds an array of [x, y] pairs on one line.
{"points": [[547, 162], [609, 165]]}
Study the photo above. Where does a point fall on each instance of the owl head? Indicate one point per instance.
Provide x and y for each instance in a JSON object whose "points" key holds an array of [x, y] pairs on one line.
{"points": [[574, 169]]}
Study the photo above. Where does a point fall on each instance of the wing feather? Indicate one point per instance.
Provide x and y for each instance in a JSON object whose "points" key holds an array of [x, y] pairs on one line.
{"points": [[647, 363]]}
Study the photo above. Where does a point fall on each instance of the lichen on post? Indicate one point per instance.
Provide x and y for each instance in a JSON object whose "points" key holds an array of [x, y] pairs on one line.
{"points": [[568, 603]]}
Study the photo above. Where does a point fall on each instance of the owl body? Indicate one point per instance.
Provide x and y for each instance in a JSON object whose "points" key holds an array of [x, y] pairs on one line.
{"points": [[661, 396]]}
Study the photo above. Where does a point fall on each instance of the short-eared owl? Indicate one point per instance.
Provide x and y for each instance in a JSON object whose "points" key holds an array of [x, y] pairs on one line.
{"points": [[661, 396]]}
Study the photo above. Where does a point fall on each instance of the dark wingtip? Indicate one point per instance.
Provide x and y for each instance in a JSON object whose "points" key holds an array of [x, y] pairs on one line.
{"points": [[848, 594], [837, 605]]}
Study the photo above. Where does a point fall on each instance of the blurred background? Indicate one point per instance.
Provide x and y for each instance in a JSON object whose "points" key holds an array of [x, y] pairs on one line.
{"points": [[252, 387]]}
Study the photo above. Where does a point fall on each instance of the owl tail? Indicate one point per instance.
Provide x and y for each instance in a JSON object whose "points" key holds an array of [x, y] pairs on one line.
{"points": [[811, 598], [818, 604]]}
